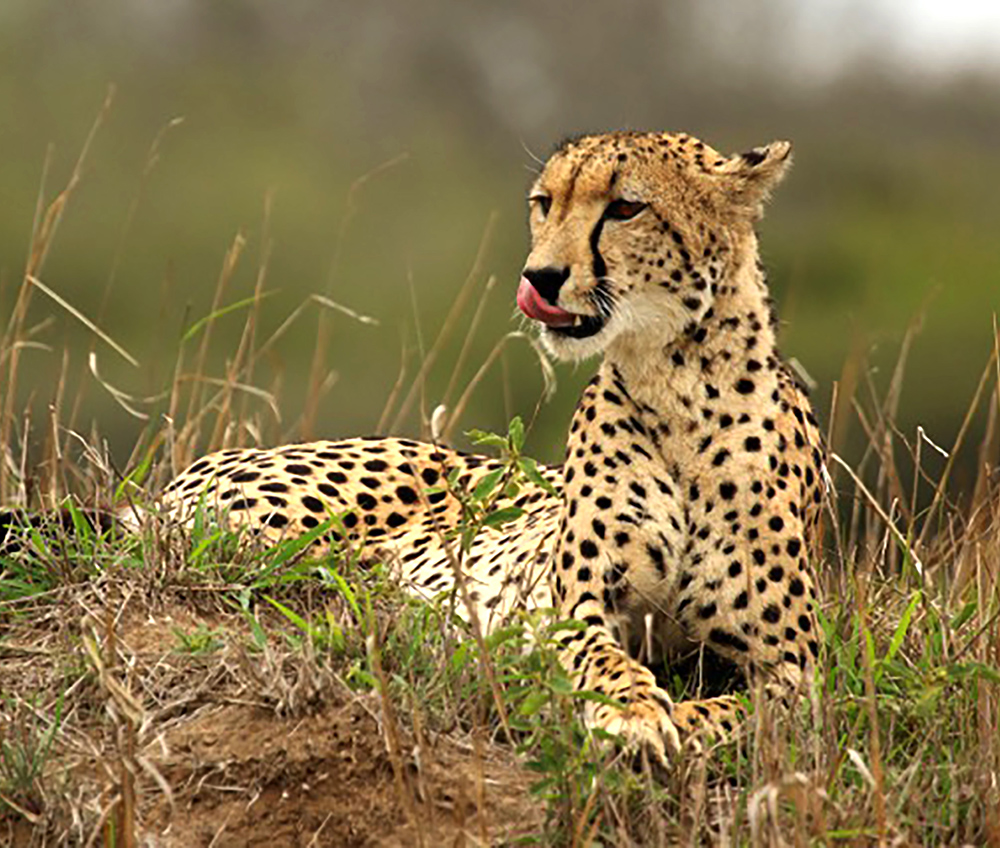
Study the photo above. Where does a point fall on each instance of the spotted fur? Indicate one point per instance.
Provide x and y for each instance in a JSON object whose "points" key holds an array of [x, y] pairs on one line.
{"points": [[692, 479]]}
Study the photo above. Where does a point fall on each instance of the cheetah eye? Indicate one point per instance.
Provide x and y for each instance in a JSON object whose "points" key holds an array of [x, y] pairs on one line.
{"points": [[542, 201], [623, 210]]}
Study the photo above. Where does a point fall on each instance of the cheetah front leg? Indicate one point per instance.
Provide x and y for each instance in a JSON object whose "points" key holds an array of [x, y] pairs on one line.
{"points": [[642, 711], [601, 550]]}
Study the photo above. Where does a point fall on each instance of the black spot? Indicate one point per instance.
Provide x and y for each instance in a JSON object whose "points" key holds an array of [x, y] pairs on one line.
{"points": [[407, 495], [727, 490], [370, 482], [796, 587], [588, 549], [395, 520], [707, 611], [376, 465], [299, 469], [241, 503], [275, 519], [313, 504], [776, 523], [430, 476], [727, 639], [771, 614], [744, 386], [720, 457], [245, 476], [273, 487], [742, 601], [752, 444], [365, 501]]}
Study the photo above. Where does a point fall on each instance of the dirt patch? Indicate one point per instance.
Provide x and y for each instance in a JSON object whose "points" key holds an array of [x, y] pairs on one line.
{"points": [[242, 777], [250, 749]]}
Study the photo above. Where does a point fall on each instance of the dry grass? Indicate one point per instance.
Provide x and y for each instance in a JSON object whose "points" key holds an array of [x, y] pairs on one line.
{"points": [[167, 688]]}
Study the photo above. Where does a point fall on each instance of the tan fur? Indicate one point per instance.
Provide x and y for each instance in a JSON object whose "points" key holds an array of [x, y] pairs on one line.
{"points": [[692, 476]]}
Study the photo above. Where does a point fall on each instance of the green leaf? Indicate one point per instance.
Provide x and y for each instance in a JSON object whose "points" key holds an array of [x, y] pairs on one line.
{"points": [[458, 658], [502, 516], [568, 624], [484, 488], [81, 527], [964, 615], [904, 625], [290, 614], [515, 432], [197, 326], [503, 634], [347, 592], [529, 468], [481, 437], [532, 703]]}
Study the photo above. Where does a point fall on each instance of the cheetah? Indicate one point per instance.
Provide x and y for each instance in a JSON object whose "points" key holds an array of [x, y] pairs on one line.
{"points": [[692, 481]]}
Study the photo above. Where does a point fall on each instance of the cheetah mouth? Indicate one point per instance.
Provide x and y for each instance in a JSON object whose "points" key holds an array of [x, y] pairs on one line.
{"points": [[556, 320]]}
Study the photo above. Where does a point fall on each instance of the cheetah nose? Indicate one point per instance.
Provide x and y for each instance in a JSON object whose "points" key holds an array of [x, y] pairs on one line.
{"points": [[531, 303], [547, 281]]}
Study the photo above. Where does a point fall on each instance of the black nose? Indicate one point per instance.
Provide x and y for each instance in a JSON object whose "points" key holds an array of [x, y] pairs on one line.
{"points": [[547, 281]]}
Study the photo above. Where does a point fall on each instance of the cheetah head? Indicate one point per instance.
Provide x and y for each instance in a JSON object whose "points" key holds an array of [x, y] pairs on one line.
{"points": [[634, 236]]}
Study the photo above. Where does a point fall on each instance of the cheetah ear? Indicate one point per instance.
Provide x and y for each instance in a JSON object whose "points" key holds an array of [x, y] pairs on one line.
{"points": [[747, 178]]}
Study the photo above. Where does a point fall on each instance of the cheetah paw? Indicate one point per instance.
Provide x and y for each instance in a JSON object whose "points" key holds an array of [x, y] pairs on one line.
{"points": [[645, 723], [715, 719]]}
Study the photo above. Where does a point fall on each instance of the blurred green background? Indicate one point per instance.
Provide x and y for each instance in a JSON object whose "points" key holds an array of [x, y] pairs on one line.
{"points": [[892, 210]]}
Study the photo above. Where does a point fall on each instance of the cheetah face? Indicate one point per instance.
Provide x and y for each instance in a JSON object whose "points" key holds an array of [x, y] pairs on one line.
{"points": [[633, 235]]}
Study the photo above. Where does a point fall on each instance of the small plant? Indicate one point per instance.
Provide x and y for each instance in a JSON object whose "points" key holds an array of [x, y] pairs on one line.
{"points": [[480, 506], [26, 742], [201, 640]]}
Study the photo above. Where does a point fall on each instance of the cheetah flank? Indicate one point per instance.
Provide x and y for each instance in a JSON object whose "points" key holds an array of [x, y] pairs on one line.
{"points": [[692, 479]]}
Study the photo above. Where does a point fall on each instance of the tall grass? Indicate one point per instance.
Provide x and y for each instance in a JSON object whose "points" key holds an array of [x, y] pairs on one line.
{"points": [[901, 746]]}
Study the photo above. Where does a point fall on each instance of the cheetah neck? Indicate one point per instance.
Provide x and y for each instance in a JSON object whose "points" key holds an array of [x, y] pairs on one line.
{"points": [[734, 347]]}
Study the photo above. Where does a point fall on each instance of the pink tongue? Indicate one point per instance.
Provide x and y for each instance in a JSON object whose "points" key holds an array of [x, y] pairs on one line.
{"points": [[532, 304]]}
